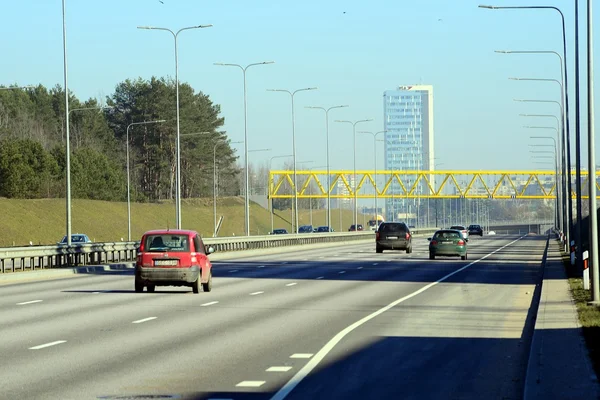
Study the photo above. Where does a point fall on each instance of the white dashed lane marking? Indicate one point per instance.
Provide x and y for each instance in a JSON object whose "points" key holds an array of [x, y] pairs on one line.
{"points": [[255, 293], [278, 369], [43, 346], [291, 284], [375, 263], [250, 384], [362, 267], [209, 304], [342, 272], [301, 355], [234, 270], [320, 277], [261, 266], [139, 321], [29, 302]]}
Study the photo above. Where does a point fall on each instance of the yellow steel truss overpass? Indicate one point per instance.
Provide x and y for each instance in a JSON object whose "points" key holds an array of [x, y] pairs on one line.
{"points": [[421, 184]]}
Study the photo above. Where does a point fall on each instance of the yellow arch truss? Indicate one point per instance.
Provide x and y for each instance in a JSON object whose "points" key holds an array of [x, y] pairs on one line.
{"points": [[538, 185]]}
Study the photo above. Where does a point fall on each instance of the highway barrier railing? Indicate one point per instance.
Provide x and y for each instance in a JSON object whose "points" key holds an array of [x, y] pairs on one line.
{"points": [[13, 259], [30, 258]]}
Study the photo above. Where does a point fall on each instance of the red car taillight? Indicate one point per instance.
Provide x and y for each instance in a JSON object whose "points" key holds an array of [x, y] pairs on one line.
{"points": [[461, 242], [433, 242], [407, 235], [376, 235]]}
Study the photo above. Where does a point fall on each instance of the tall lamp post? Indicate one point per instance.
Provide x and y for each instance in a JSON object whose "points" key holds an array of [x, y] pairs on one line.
{"points": [[220, 142], [292, 94], [355, 183], [558, 167], [327, 157], [593, 231], [566, 146], [178, 147], [246, 199], [375, 163], [553, 156], [271, 200], [565, 96], [128, 179], [68, 141], [566, 176]]}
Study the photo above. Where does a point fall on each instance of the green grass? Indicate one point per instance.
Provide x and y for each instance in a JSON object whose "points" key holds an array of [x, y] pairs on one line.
{"points": [[43, 221], [589, 317]]}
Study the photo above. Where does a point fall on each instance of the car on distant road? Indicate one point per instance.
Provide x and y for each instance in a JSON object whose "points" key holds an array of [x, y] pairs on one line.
{"points": [[279, 231], [305, 229], [173, 258], [76, 238], [354, 228], [321, 229], [475, 229], [448, 242], [462, 229], [393, 236]]}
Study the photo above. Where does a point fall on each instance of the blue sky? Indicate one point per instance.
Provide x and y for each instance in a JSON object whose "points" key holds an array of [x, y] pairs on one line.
{"points": [[351, 50]]}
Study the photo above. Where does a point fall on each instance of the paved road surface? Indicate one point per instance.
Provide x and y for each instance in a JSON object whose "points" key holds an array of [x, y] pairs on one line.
{"points": [[339, 323]]}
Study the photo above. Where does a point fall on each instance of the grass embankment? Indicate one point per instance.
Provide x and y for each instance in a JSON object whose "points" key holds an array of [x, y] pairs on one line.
{"points": [[589, 315], [42, 221]]}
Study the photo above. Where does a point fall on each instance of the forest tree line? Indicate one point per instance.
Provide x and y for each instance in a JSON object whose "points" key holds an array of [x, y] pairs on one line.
{"points": [[33, 144]]}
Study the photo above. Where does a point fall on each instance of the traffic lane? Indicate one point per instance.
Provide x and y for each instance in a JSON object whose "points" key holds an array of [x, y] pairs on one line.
{"points": [[96, 296], [274, 325], [469, 337]]}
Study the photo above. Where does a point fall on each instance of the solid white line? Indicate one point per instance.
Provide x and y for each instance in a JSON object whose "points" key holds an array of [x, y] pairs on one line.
{"points": [[139, 321], [255, 293], [342, 272], [291, 284], [301, 355], [42, 346], [29, 302], [250, 384], [234, 270], [320, 277], [321, 354], [209, 304], [278, 369]]}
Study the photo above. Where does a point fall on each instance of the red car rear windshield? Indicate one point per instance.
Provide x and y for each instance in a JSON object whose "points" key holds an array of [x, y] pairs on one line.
{"points": [[166, 242]]}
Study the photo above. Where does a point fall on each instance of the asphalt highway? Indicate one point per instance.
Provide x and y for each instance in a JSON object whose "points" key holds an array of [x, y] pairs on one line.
{"points": [[336, 322]]}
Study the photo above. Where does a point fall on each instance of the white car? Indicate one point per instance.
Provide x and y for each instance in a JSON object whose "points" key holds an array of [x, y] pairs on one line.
{"points": [[462, 229]]}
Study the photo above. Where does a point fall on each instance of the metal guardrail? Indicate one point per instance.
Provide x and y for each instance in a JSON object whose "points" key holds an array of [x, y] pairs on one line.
{"points": [[14, 259]]}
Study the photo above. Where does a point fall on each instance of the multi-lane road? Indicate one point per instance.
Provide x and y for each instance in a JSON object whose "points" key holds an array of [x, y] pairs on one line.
{"points": [[337, 322]]}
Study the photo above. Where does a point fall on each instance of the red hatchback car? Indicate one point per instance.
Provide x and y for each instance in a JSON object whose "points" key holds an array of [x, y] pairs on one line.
{"points": [[173, 258]]}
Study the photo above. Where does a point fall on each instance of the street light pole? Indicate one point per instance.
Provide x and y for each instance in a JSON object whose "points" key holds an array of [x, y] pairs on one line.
{"points": [[327, 157], [557, 222], [568, 201], [68, 143], [375, 162], [246, 198], [178, 147], [593, 230], [128, 179], [565, 98], [355, 183], [294, 147], [270, 199]]}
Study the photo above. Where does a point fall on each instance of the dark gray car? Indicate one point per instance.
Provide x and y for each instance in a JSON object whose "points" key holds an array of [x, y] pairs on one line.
{"points": [[393, 236]]}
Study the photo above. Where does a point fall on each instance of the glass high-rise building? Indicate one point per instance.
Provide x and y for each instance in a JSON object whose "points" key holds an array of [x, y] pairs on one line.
{"points": [[408, 122]]}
